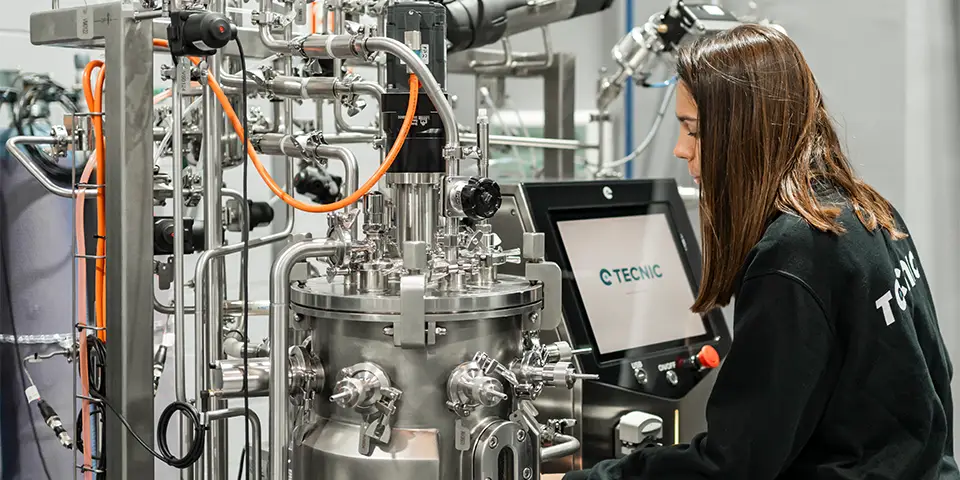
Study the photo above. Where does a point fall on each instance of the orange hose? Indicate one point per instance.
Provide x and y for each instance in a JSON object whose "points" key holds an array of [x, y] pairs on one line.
{"points": [[313, 17], [82, 321], [94, 100], [272, 185]]}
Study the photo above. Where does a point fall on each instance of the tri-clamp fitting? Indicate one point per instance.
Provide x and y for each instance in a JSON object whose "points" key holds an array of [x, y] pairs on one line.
{"points": [[365, 388], [470, 387]]}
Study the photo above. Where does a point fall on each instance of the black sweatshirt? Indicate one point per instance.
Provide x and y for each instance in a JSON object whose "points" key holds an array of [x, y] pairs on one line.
{"points": [[837, 369]]}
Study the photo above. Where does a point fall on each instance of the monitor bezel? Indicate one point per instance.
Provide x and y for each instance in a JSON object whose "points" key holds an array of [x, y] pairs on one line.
{"points": [[554, 202]]}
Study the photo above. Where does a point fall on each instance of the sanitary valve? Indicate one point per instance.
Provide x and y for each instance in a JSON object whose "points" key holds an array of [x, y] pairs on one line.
{"points": [[469, 387], [366, 389]]}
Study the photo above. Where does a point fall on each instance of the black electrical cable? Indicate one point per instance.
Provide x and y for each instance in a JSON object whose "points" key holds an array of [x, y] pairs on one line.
{"points": [[245, 236], [16, 346], [97, 365], [243, 456]]}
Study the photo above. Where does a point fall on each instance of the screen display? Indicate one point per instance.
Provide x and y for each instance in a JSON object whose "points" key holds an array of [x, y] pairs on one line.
{"points": [[632, 281]]}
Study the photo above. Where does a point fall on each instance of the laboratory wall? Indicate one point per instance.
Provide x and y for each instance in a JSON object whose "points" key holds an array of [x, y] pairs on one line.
{"points": [[889, 69]]}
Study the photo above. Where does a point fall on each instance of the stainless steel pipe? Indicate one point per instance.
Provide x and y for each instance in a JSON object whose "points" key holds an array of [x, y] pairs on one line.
{"points": [[253, 453], [179, 315], [563, 445], [278, 144], [279, 324], [13, 146], [429, 84]]}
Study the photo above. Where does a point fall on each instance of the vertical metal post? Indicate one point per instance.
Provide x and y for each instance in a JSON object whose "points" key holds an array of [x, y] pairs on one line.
{"points": [[559, 102], [129, 211], [215, 458]]}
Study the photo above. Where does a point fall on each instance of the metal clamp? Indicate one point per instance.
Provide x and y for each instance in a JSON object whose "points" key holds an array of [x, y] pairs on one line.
{"points": [[366, 389], [409, 332]]}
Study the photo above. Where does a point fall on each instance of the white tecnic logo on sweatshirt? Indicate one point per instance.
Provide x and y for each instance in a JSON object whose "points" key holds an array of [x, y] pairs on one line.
{"points": [[908, 268]]}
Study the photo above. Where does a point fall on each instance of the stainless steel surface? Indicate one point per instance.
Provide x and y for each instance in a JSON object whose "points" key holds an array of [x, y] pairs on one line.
{"points": [[129, 209], [279, 325], [13, 146], [179, 311], [423, 430], [559, 106], [418, 208], [319, 295], [228, 378]]}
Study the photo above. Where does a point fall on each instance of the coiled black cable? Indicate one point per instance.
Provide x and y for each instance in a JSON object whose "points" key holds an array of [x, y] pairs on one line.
{"points": [[96, 360]]}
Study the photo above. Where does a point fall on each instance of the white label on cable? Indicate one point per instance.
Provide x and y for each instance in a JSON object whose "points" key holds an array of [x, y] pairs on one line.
{"points": [[425, 53], [300, 6], [32, 394], [168, 339], [84, 23]]}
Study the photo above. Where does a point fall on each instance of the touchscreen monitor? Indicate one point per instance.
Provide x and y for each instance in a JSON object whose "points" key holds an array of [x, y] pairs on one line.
{"points": [[632, 280]]}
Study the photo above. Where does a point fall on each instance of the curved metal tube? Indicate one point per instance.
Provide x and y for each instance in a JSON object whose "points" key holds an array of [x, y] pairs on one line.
{"points": [[279, 324], [280, 144], [13, 146], [563, 445], [255, 431]]}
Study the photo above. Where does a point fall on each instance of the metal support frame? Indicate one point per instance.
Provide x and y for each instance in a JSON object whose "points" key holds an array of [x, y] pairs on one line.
{"points": [[129, 209], [559, 103], [559, 96]]}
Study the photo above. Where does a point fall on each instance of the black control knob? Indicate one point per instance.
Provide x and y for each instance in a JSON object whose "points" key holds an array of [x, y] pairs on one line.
{"points": [[481, 198], [320, 186]]}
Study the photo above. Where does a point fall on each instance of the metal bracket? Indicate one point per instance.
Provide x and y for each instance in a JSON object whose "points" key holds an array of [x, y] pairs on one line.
{"points": [[410, 331], [550, 275]]}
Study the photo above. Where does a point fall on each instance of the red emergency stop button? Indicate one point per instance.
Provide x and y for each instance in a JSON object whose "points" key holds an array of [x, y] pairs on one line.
{"points": [[708, 357]]}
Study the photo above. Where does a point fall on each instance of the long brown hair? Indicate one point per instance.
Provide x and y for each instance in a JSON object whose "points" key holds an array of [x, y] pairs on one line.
{"points": [[766, 142]]}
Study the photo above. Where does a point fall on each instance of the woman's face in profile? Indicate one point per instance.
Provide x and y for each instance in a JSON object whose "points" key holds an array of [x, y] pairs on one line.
{"points": [[688, 145]]}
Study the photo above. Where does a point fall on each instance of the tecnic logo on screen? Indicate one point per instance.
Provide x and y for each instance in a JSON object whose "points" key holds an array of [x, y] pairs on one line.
{"points": [[630, 274]]}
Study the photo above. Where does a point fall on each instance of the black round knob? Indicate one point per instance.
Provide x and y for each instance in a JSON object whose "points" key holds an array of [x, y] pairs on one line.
{"points": [[481, 198]]}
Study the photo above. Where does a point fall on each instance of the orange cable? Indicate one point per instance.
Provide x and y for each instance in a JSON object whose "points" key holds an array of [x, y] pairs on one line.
{"points": [[94, 104], [313, 17], [87, 438], [269, 181]]}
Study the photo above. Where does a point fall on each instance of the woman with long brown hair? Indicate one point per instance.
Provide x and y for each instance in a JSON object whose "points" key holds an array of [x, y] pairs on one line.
{"points": [[837, 369]]}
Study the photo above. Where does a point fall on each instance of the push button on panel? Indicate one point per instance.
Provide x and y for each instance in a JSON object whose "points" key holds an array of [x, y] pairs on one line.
{"points": [[707, 358]]}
